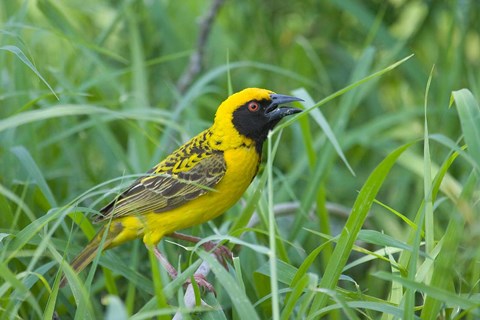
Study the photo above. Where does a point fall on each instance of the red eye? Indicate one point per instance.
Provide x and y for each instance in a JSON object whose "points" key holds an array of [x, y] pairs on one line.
{"points": [[253, 106]]}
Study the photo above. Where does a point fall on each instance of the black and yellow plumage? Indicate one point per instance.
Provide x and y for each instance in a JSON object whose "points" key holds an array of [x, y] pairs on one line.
{"points": [[198, 181]]}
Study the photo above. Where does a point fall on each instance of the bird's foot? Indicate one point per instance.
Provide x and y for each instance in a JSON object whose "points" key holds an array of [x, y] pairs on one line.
{"points": [[202, 282], [222, 253], [199, 278]]}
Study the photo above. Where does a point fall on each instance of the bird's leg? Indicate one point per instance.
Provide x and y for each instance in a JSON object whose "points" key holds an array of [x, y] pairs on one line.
{"points": [[221, 252], [164, 262], [199, 278]]}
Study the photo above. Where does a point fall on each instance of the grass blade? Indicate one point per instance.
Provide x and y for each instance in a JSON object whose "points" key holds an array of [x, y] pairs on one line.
{"points": [[451, 299], [352, 227], [240, 301], [19, 53], [34, 173], [469, 113]]}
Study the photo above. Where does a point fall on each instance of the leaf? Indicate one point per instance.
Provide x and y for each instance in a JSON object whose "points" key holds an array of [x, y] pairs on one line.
{"points": [[19, 53], [241, 303], [34, 173], [319, 118], [338, 93], [449, 298], [469, 112], [381, 239], [352, 227]]}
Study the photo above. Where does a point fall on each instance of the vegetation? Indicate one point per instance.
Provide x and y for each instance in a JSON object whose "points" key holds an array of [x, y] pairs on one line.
{"points": [[366, 208]]}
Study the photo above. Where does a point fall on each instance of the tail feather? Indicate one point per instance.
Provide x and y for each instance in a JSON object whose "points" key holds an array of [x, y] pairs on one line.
{"points": [[86, 256]]}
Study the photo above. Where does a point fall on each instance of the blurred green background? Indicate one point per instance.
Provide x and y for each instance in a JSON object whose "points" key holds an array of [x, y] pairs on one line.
{"points": [[90, 92]]}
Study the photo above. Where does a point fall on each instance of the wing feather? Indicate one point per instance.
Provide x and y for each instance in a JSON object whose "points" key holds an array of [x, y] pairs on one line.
{"points": [[162, 191]]}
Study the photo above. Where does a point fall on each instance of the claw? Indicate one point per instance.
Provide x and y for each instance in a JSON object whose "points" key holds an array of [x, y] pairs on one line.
{"points": [[202, 282], [199, 278], [222, 253]]}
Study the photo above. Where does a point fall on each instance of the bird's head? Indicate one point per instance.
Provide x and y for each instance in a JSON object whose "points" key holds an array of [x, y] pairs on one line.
{"points": [[252, 113]]}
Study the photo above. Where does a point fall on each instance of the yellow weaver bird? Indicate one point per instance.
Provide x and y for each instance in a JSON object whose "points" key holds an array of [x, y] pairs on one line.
{"points": [[197, 182]]}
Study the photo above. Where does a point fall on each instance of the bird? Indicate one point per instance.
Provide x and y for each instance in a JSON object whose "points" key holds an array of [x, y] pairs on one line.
{"points": [[199, 181]]}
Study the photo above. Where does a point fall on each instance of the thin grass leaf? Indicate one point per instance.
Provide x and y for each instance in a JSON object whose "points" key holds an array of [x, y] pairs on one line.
{"points": [[132, 289], [286, 272], [169, 290], [384, 308], [137, 148], [319, 173], [355, 221], [52, 299], [338, 93], [25, 235], [427, 180], [318, 117], [297, 290], [80, 294], [74, 110], [377, 254], [308, 296], [452, 145], [255, 247], [405, 219], [242, 220], [10, 282], [240, 301], [413, 162], [157, 283], [408, 302], [18, 201], [381, 239], [445, 266], [448, 297], [238, 272], [469, 113], [424, 270], [340, 304], [377, 126], [39, 115], [272, 232], [19, 53], [34, 173], [307, 262]]}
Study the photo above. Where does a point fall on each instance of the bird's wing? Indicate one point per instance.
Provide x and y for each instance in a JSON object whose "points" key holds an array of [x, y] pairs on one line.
{"points": [[160, 192]]}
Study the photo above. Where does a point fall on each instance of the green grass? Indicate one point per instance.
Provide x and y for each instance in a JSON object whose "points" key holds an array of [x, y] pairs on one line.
{"points": [[366, 206]]}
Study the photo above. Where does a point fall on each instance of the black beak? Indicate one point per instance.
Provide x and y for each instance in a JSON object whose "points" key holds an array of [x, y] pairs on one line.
{"points": [[275, 112]]}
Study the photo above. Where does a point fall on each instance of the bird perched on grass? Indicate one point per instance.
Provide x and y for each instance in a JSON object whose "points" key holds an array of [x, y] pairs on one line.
{"points": [[197, 182]]}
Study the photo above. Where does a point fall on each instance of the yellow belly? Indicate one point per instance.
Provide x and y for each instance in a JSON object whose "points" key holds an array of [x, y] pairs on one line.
{"points": [[241, 163]]}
